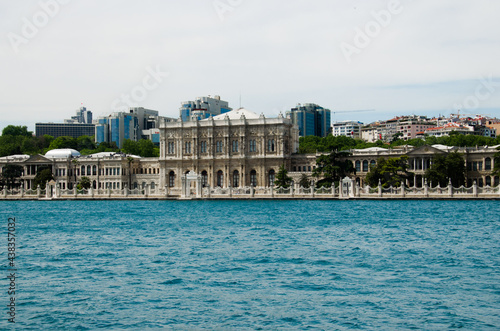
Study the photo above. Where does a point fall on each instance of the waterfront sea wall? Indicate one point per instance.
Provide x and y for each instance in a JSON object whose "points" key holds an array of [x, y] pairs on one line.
{"points": [[293, 192]]}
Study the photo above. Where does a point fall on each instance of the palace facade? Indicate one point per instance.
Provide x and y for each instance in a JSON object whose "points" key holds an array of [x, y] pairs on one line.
{"points": [[238, 148], [235, 149]]}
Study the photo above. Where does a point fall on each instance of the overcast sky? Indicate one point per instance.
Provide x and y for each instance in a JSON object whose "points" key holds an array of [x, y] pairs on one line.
{"points": [[396, 57]]}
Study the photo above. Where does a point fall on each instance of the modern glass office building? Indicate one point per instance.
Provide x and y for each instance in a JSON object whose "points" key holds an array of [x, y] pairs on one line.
{"points": [[203, 107], [312, 120]]}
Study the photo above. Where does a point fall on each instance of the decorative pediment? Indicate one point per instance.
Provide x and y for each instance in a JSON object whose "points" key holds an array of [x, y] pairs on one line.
{"points": [[38, 159], [426, 150]]}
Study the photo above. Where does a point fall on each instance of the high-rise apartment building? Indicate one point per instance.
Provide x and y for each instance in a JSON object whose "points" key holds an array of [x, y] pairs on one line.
{"points": [[312, 120], [203, 107]]}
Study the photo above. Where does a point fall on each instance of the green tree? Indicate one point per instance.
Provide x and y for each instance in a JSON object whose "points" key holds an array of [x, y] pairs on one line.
{"points": [[333, 167], [12, 130], [305, 182], [444, 168], [64, 142], [84, 183], [11, 173], [390, 172], [85, 142], [147, 148], [131, 147], [282, 178], [43, 175]]}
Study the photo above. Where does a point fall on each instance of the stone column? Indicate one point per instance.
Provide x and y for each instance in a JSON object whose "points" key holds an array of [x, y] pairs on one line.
{"points": [[379, 189], [426, 189], [38, 191], [252, 191], [312, 188], [474, 189], [450, 189]]}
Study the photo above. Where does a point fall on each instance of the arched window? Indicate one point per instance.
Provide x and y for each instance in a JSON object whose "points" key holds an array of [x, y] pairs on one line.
{"points": [[253, 146], [373, 163], [220, 178], [83, 170], [487, 164], [253, 178], [235, 146], [94, 170], [358, 166], [488, 181], [365, 166], [270, 145], [272, 177], [89, 171], [171, 179], [236, 178], [218, 146], [152, 185], [94, 184], [204, 178]]}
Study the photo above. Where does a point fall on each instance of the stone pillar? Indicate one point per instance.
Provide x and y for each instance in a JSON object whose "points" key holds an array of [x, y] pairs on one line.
{"points": [[474, 189], [333, 190], [230, 188], [403, 193], [379, 189], [22, 191], [125, 190], [4, 191], [146, 191], [358, 190], [208, 190], [312, 188], [426, 189], [450, 189], [292, 188], [272, 191], [183, 187], [38, 191], [167, 188], [199, 187], [58, 190], [91, 191], [252, 191]]}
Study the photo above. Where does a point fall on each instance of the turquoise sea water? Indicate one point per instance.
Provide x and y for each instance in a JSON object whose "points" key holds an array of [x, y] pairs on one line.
{"points": [[288, 265]]}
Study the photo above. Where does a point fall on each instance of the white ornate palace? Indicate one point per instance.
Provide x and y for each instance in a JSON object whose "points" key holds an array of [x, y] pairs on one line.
{"points": [[238, 152]]}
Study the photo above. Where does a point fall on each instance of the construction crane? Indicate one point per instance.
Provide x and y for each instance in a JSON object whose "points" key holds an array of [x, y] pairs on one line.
{"points": [[349, 111]]}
